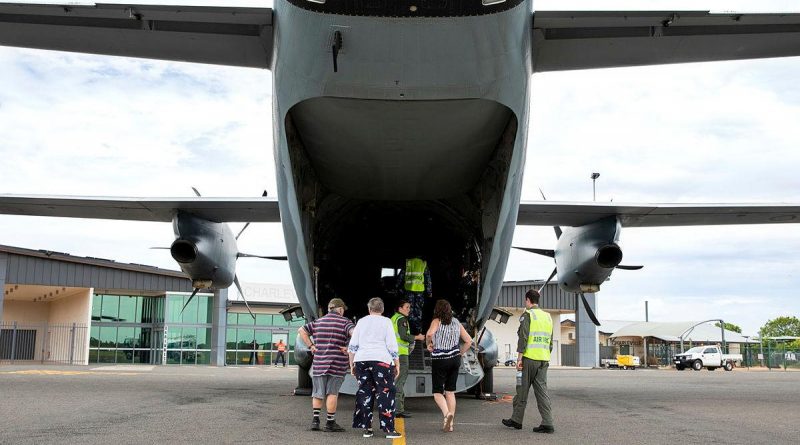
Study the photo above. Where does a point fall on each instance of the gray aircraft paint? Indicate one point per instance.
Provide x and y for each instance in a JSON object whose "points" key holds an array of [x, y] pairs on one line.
{"points": [[420, 59]]}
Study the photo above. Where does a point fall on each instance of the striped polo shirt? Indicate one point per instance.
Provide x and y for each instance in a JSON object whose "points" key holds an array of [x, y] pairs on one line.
{"points": [[445, 340], [331, 333]]}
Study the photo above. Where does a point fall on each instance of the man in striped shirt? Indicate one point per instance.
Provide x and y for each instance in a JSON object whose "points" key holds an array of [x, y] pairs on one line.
{"points": [[331, 335]]}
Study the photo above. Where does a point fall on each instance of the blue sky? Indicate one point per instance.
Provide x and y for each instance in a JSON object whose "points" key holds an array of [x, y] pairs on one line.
{"points": [[710, 132]]}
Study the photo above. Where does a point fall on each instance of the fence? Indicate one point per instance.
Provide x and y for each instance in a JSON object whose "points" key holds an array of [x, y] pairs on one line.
{"points": [[63, 343], [771, 355]]}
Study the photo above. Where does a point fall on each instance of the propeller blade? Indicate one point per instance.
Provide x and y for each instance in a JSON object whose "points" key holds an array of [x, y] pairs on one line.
{"points": [[196, 192], [623, 267], [589, 310], [241, 292], [242, 231], [160, 248], [276, 258], [190, 299], [555, 228], [546, 252], [552, 274]]}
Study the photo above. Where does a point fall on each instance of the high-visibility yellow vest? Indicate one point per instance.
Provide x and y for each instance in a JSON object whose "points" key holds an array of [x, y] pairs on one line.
{"points": [[402, 346], [541, 332], [415, 275]]}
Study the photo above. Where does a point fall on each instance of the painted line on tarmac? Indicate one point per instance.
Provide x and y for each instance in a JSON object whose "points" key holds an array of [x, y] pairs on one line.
{"points": [[400, 427], [54, 372]]}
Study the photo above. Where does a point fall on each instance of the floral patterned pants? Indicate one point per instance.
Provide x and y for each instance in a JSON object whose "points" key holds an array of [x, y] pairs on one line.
{"points": [[375, 383]]}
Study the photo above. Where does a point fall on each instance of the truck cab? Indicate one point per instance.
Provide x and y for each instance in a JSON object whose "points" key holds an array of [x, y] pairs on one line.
{"points": [[709, 357]]}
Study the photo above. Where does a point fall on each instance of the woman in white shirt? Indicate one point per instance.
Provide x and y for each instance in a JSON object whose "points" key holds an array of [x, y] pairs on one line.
{"points": [[373, 351], [443, 343]]}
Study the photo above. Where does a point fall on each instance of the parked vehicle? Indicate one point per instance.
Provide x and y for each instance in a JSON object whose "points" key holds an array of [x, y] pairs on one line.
{"points": [[709, 357], [621, 362]]}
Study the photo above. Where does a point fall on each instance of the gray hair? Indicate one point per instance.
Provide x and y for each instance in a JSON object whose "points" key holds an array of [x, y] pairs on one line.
{"points": [[375, 305]]}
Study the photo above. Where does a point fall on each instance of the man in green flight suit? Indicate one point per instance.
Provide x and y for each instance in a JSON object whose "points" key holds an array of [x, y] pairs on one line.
{"points": [[534, 344], [404, 339]]}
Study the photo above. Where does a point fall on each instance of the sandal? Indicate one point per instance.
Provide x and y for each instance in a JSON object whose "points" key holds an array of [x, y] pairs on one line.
{"points": [[448, 423]]}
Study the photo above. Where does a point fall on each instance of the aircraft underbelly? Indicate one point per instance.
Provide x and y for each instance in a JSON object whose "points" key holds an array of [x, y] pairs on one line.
{"points": [[413, 112]]}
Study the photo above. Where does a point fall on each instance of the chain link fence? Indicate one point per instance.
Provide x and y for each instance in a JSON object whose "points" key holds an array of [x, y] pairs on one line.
{"points": [[61, 343], [771, 355]]}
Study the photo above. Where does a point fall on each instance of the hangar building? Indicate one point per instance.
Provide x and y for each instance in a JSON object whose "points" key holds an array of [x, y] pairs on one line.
{"points": [[60, 308]]}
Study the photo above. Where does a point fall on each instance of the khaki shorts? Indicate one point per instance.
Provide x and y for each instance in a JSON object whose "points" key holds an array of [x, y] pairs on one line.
{"points": [[326, 385]]}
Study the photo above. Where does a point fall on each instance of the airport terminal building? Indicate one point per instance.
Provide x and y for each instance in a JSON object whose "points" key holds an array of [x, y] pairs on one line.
{"points": [[60, 308]]}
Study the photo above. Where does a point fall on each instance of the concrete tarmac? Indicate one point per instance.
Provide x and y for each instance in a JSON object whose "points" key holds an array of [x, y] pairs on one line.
{"points": [[174, 404]]}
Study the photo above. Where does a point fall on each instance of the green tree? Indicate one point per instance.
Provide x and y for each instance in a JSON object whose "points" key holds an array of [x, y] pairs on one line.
{"points": [[730, 327], [781, 326]]}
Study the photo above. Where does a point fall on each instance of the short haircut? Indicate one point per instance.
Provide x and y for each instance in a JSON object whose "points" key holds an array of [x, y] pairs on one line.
{"points": [[533, 296], [401, 302], [375, 305]]}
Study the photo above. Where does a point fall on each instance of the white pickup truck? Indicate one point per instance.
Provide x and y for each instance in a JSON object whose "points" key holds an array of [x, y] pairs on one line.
{"points": [[709, 357]]}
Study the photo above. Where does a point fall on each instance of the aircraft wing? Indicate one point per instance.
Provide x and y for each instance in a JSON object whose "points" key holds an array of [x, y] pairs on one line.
{"points": [[143, 209], [571, 40], [216, 35], [550, 213]]}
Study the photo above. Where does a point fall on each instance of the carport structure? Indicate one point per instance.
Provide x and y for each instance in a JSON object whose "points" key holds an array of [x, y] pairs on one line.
{"points": [[657, 342]]}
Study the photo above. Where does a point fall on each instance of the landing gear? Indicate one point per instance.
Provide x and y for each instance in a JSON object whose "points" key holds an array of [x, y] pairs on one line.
{"points": [[304, 384]]}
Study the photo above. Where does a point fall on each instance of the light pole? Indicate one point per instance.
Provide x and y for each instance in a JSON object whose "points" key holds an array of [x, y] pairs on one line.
{"points": [[594, 179]]}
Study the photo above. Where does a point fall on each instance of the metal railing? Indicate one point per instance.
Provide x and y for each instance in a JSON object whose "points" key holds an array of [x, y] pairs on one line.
{"points": [[62, 343]]}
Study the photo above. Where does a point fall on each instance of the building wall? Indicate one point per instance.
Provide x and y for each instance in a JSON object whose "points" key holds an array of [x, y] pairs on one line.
{"points": [[74, 308], [25, 311], [568, 333]]}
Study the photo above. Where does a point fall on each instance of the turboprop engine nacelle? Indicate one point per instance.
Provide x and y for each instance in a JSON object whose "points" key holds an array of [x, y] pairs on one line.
{"points": [[585, 256], [205, 251]]}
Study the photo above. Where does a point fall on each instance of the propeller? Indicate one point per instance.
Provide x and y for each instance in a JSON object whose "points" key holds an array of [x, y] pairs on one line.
{"points": [[276, 258], [547, 281], [190, 299], [241, 292], [248, 223], [545, 252], [588, 308]]}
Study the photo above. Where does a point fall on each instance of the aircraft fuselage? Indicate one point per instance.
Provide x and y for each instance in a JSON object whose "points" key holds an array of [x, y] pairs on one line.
{"points": [[413, 146]]}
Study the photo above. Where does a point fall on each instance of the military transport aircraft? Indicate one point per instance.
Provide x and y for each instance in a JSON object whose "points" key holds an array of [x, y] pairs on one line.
{"points": [[400, 128]]}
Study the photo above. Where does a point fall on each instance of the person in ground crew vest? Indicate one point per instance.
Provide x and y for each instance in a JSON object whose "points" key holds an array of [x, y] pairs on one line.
{"points": [[415, 281], [534, 344], [404, 340], [281, 347]]}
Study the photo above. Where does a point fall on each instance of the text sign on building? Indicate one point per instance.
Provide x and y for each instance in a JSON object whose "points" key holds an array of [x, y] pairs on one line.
{"points": [[267, 293]]}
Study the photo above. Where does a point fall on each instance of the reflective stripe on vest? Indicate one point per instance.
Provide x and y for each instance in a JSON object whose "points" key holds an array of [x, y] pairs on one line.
{"points": [[415, 275], [540, 335], [402, 347]]}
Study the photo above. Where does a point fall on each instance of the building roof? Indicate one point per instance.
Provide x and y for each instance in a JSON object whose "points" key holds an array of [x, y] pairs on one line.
{"points": [[674, 331], [90, 261]]}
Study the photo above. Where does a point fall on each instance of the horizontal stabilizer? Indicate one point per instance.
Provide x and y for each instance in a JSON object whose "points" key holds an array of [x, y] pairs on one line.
{"points": [[142, 209], [573, 40], [216, 35], [574, 214]]}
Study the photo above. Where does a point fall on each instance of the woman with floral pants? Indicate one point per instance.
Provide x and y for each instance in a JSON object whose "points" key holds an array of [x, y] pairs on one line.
{"points": [[375, 385], [375, 364]]}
